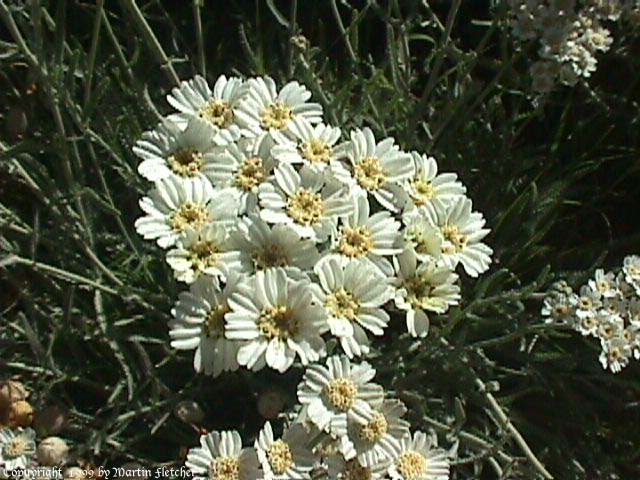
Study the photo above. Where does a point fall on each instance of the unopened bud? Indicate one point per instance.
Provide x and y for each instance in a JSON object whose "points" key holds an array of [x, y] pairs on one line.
{"points": [[12, 391], [52, 451], [19, 414], [189, 412]]}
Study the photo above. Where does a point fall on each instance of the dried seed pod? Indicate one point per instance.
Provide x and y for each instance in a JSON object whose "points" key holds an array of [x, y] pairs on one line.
{"points": [[12, 391], [19, 414], [189, 412], [52, 451]]}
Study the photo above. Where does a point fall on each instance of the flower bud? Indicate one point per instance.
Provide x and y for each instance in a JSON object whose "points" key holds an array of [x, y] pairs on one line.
{"points": [[52, 451], [270, 404], [189, 412], [12, 391], [19, 414], [50, 421]]}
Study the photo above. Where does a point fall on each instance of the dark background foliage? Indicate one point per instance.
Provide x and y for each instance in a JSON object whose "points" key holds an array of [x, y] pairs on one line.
{"points": [[85, 301]]}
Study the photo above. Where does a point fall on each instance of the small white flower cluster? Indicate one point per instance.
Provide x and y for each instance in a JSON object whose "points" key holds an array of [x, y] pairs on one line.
{"points": [[607, 307], [345, 429], [569, 33], [284, 232]]}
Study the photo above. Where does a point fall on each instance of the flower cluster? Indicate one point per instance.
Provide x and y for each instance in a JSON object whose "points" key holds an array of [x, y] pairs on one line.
{"points": [[345, 429], [569, 34], [607, 307], [286, 232]]}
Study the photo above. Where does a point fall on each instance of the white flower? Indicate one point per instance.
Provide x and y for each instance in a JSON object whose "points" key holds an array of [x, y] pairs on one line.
{"points": [[615, 354], [267, 110], [560, 308], [17, 448], [364, 236], [424, 287], [221, 457], [169, 150], [378, 437], [631, 271], [175, 205], [604, 284], [420, 459], [242, 167], [426, 185], [276, 246], [286, 458], [199, 324], [422, 238], [352, 294], [276, 317], [632, 335], [588, 323], [205, 252], [462, 231], [379, 168], [304, 202], [588, 302], [338, 392], [313, 146], [194, 98]]}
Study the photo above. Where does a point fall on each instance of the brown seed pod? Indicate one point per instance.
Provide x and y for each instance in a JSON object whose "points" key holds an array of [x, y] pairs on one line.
{"points": [[12, 391], [52, 451], [19, 414]]}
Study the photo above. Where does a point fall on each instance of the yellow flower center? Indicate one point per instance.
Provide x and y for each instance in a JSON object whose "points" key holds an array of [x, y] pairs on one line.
{"points": [[585, 303], [354, 471], [214, 322], [606, 331], [270, 256], [17, 447], [342, 393], [276, 116], [306, 207], [423, 191], [419, 291], [342, 304], [278, 322], [370, 174], [186, 163], [457, 239], [280, 457], [411, 465], [250, 174], [316, 151], [356, 242], [589, 322], [225, 468], [190, 215], [614, 354], [203, 254], [560, 310], [374, 430], [217, 112]]}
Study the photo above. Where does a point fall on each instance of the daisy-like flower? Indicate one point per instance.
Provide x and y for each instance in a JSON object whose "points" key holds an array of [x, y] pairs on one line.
{"points": [[175, 205], [242, 167], [199, 325], [17, 448], [267, 110], [285, 458], [275, 246], [304, 202], [632, 335], [631, 271], [420, 459], [588, 324], [169, 150], [560, 308], [220, 456], [604, 284], [424, 287], [337, 392], [426, 185], [378, 438], [422, 238], [278, 321], [371, 237], [217, 107], [462, 231], [588, 302], [379, 168], [615, 354], [340, 469], [352, 294], [315, 147], [205, 252]]}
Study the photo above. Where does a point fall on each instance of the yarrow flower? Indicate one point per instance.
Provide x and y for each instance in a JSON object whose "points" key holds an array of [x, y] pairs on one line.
{"points": [[606, 308], [220, 456], [17, 448], [286, 457], [420, 459]]}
